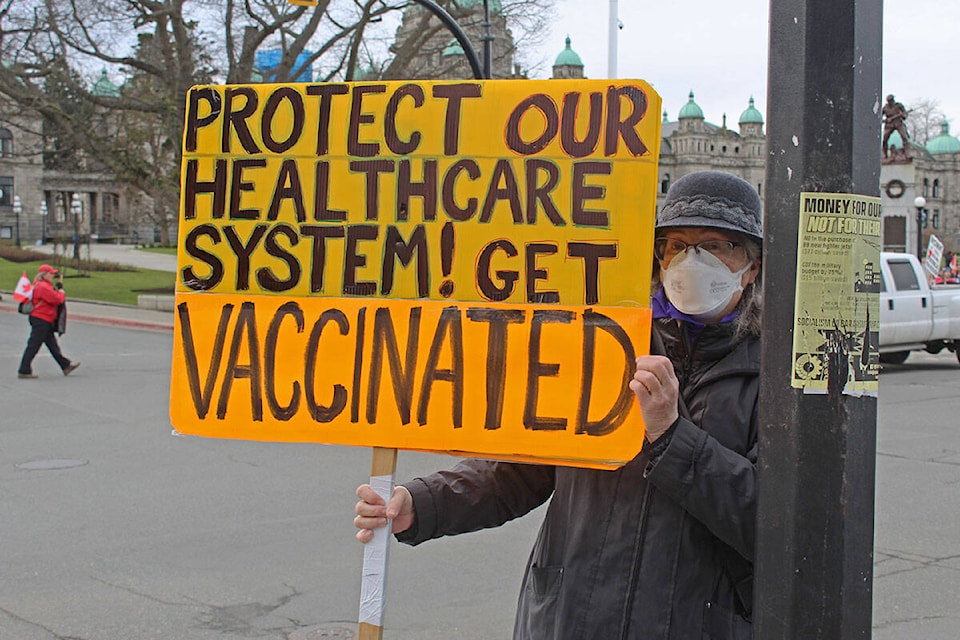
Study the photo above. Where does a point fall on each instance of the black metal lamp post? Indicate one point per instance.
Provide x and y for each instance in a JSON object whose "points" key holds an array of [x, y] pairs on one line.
{"points": [[17, 210], [920, 202], [487, 41]]}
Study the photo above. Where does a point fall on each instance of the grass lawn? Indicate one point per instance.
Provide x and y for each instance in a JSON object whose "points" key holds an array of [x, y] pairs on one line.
{"points": [[105, 286]]}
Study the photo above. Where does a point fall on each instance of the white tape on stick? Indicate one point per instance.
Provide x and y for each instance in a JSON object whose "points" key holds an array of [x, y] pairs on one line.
{"points": [[375, 555]]}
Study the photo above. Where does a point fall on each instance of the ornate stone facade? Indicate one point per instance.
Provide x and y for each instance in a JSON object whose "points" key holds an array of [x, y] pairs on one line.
{"points": [[426, 50]]}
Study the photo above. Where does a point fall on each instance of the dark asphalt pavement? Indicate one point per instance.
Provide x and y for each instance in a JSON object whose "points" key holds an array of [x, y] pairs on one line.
{"points": [[113, 528]]}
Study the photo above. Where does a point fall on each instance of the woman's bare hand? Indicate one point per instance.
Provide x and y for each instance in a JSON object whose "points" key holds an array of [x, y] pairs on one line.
{"points": [[372, 513], [657, 389]]}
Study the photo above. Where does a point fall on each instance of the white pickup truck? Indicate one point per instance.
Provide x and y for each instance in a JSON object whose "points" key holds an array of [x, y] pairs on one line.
{"points": [[913, 315]]}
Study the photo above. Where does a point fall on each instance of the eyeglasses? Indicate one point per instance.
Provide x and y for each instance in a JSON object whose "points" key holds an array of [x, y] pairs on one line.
{"points": [[666, 249]]}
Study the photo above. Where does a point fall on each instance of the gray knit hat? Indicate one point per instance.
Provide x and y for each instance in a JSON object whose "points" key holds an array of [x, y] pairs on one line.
{"points": [[713, 199]]}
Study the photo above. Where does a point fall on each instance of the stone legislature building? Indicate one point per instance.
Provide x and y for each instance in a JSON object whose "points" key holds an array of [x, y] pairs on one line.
{"points": [[691, 143], [931, 171], [38, 202]]}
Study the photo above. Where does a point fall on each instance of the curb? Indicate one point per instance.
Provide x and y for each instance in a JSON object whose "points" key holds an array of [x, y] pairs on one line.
{"points": [[120, 322], [114, 322]]}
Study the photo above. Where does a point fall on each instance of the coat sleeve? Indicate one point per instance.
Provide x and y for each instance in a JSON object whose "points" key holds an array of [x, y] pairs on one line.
{"points": [[48, 294], [716, 485], [475, 494]]}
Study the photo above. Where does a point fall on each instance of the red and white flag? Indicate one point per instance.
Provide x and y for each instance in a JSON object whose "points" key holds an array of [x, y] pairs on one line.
{"points": [[24, 290]]}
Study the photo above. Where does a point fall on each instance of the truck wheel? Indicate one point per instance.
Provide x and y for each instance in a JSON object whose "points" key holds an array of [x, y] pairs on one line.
{"points": [[894, 357]]}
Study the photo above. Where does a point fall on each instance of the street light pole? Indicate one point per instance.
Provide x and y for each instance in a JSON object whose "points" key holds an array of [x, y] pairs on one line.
{"points": [[17, 210], [613, 29], [815, 513], [920, 202], [43, 220], [76, 207], [487, 41]]}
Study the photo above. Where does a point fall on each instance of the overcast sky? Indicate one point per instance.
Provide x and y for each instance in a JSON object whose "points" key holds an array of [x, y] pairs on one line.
{"points": [[719, 50]]}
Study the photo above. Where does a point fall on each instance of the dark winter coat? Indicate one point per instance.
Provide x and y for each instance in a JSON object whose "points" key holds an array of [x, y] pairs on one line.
{"points": [[651, 550]]}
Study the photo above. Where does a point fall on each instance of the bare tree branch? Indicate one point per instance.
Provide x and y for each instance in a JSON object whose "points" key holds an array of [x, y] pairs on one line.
{"points": [[155, 50]]}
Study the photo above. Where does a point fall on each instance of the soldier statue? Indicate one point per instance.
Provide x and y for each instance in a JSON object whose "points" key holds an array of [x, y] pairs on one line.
{"points": [[894, 115]]}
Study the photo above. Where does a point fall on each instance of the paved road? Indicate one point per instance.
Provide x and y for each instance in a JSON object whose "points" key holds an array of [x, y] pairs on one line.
{"points": [[917, 540], [167, 537], [156, 536]]}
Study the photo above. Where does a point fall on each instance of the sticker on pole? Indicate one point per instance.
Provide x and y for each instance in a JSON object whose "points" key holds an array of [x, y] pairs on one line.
{"points": [[836, 329], [458, 267]]}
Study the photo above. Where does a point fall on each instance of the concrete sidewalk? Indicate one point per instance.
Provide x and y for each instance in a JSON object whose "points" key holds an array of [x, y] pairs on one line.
{"points": [[118, 315], [124, 254]]}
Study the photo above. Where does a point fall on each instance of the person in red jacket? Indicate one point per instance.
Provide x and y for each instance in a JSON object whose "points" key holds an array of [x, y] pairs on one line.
{"points": [[47, 299]]}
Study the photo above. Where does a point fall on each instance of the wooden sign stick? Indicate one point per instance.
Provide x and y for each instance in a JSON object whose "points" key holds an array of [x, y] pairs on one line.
{"points": [[373, 587]]}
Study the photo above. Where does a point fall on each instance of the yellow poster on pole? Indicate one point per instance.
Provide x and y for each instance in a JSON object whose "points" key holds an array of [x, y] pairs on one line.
{"points": [[836, 332], [446, 266]]}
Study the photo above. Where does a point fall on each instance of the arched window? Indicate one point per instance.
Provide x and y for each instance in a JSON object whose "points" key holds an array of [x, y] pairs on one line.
{"points": [[665, 183], [926, 187], [6, 143], [936, 188]]}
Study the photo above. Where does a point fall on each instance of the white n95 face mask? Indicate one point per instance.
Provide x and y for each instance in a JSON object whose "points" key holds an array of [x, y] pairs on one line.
{"points": [[699, 284]]}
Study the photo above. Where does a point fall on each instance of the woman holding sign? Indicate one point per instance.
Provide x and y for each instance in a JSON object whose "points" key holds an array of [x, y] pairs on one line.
{"points": [[662, 547]]}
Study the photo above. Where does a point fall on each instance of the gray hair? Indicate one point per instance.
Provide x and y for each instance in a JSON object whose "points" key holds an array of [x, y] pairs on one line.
{"points": [[751, 301]]}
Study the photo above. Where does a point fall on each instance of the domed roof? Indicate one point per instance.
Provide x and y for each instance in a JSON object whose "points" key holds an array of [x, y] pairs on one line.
{"points": [[690, 110], [104, 88], [454, 48], [943, 143], [366, 74], [494, 5], [751, 115], [568, 57], [895, 141]]}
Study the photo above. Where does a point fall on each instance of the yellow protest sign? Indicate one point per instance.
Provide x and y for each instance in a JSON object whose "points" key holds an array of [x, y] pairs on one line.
{"points": [[447, 266]]}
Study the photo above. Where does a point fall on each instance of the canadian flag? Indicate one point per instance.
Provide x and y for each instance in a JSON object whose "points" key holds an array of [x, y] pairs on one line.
{"points": [[24, 290]]}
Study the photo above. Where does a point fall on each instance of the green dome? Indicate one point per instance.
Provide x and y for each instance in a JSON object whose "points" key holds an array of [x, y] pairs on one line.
{"points": [[366, 74], [495, 6], [104, 88], [453, 48], [944, 143], [690, 110], [752, 115], [895, 141], [568, 57]]}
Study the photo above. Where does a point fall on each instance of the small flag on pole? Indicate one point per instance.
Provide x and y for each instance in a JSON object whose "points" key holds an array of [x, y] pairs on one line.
{"points": [[24, 290]]}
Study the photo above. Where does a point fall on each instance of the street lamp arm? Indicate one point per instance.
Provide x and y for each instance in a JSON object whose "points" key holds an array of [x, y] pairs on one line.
{"points": [[458, 33]]}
